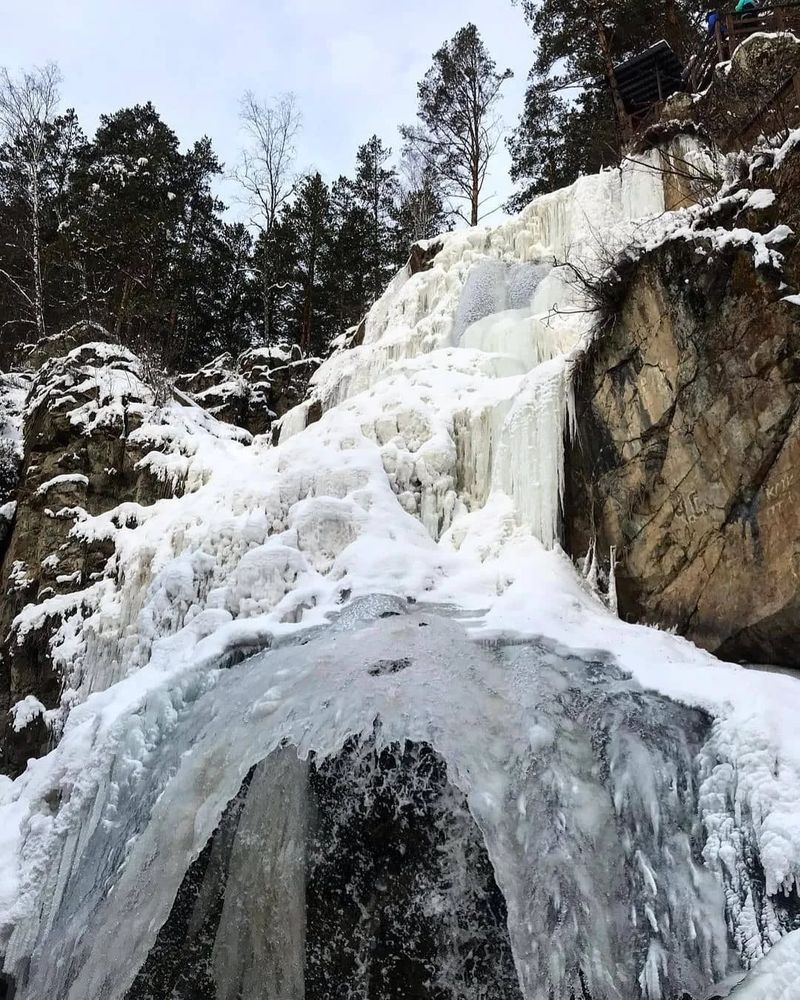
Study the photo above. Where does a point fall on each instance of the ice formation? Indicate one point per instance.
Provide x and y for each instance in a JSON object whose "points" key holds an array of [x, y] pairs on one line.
{"points": [[390, 575]]}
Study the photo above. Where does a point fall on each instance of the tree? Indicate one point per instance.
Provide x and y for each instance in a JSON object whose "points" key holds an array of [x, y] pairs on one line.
{"points": [[375, 188], [578, 45], [28, 106], [345, 274], [309, 217], [419, 213], [544, 155], [265, 174], [458, 128], [146, 234], [127, 208]]}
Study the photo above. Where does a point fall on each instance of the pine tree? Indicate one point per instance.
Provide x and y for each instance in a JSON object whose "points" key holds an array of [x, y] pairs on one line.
{"points": [[274, 255], [375, 188], [585, 39], [345, 273], [544, 154], [310, 219], [458, 128]]}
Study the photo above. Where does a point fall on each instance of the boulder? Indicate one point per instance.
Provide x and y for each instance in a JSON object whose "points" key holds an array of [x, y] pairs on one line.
{"points": [[254, 390]]}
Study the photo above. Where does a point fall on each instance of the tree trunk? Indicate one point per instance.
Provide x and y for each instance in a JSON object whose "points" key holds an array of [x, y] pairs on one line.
{"points": [[36, 255], [623, 118], [475, 193], [123, 308]]}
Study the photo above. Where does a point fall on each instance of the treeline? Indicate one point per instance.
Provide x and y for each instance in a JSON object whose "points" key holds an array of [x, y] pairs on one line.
{"points": [[125, 228]]}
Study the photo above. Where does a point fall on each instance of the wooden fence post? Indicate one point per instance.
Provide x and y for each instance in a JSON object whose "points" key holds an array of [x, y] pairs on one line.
{"points": [[731, 24], [718, 39]]}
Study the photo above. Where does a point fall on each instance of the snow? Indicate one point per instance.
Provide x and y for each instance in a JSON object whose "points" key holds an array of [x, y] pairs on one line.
{"points": [[762, 198], [25, 711], [777, 977], [67, 479], [433, 479]]}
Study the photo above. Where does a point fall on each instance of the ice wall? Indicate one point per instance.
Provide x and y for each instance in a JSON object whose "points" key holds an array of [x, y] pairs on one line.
{"points": [[581, 783]]}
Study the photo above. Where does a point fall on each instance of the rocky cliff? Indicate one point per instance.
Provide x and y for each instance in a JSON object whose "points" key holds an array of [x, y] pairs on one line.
{"points": [[684, 462], [86, 401], [253, 390], [83, 431]]}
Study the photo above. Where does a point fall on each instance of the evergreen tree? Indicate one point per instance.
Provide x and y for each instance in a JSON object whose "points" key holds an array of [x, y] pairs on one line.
{"points": [[585, 39], [310, 220], [146, 233], [200, 258], [348, 278], [273, 268], [375, 188], [126, 208], [544, 156], [458, 128]]}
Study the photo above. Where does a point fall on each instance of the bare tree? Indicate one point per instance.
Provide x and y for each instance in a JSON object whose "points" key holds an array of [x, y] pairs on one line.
{"points": [[458, 128], [28, 105], [265, 171], [266, 174], [420, 204]]}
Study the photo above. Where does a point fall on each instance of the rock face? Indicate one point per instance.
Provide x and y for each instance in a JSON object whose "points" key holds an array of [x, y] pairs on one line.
{"points": [[315, 865], [82, 456], [255, 389], [688, 430]]}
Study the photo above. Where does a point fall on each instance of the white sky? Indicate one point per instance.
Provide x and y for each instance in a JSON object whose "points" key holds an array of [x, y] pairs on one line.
{"points": [[353, 64]]}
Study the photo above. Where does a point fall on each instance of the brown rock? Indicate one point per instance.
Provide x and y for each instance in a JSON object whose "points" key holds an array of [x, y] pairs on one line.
{"points": [[688, 446], [421, 258]]}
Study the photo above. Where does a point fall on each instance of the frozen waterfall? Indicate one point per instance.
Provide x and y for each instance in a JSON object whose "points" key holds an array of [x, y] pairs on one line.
{"points": [[521, 766], [344, 721]]}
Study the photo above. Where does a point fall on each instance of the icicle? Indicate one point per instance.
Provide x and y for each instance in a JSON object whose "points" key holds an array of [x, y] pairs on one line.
{"points": [[612, 581], [590, 566]]}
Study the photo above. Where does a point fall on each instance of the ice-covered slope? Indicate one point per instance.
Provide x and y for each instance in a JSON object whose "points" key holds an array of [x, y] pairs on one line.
{"points": [[433, 475]]}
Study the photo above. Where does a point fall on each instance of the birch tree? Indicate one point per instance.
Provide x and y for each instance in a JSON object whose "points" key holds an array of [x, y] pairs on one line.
{"points": [[28, 105], [266, 175]]}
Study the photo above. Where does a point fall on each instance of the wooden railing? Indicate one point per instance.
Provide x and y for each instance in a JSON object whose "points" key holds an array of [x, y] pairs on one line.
{"points": [[731, 29], [770, 17]]}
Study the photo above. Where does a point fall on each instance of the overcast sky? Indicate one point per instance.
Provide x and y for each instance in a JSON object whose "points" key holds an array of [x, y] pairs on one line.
{"points": [[354, 64]]}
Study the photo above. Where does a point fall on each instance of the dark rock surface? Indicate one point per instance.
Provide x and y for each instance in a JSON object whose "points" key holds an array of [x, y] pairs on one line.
{"points": [[84, 403], [688, 445], [370, 876], [253, 390]]}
